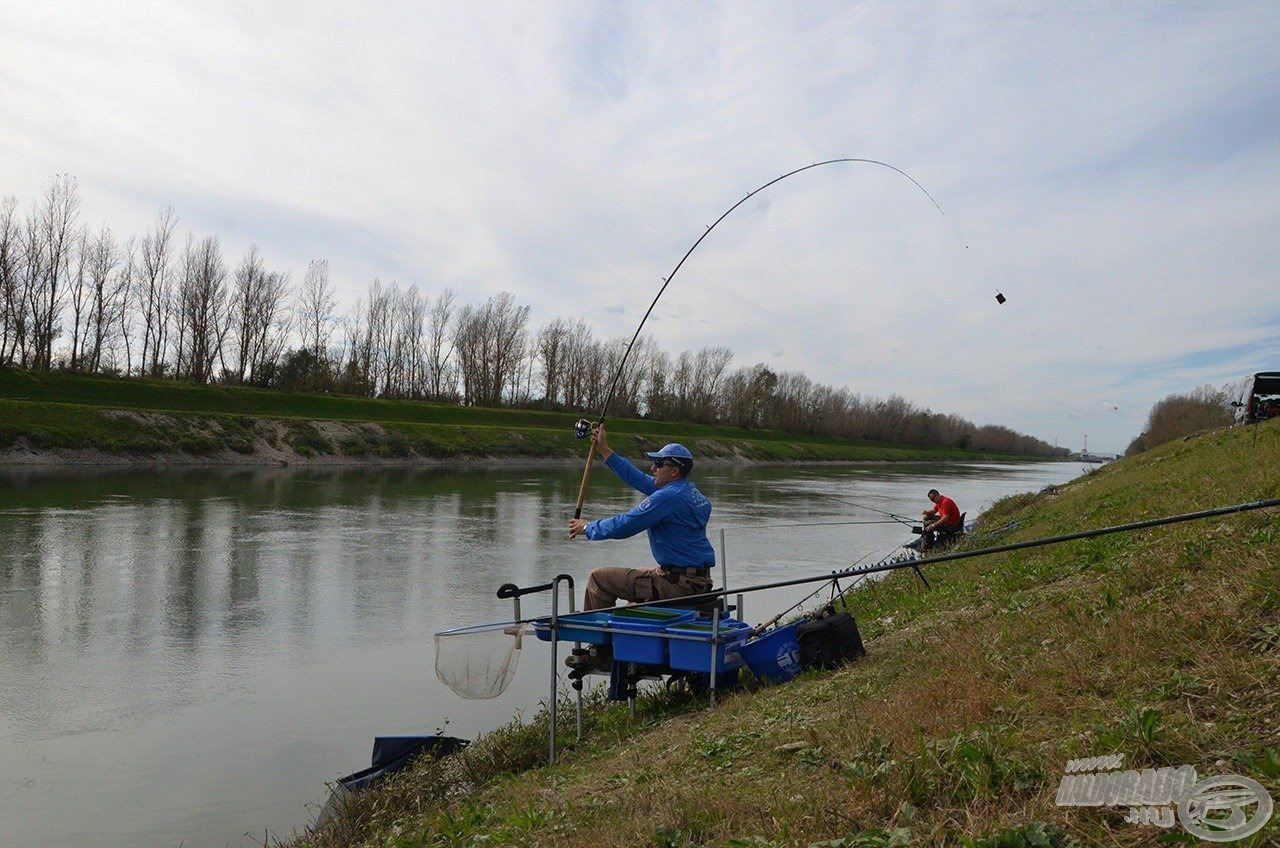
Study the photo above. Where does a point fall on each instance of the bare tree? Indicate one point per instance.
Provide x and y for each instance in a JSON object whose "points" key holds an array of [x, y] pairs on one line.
{"points": [[581, 375], [257, 319], [441, 381], [629, 394], [316, 304], [380, 335], [551, 343], [12, 292], [490, 341], [246, 292], [657, 396], [79, 294], [355, 376], [748, 396], [411, 342], [53, 233], [153, 293], [201, 313], [106, 290], [117, 313]]}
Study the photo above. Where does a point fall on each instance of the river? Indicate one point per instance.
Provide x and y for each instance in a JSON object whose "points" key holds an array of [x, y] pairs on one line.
{"points": [[186, 656]]}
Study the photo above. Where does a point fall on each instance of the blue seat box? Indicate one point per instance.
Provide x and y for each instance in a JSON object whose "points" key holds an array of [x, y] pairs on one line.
{"points": [[566, 631], [638, 634], [691, 655]]}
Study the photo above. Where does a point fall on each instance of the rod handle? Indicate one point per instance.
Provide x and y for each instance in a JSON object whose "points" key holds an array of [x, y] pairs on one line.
{"points": [[586, 475]]}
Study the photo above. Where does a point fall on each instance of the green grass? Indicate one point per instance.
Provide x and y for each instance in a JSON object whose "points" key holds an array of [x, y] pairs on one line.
{"points": [[59, 410], [955, 729]]}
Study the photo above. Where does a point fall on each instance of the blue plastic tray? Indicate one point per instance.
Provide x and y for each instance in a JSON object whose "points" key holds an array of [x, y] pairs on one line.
{"points": [[638, 635], [689, 655], [566, 631]]}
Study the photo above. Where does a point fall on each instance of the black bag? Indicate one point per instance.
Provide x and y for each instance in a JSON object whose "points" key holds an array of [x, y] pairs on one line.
{"points": [[829, 641]]}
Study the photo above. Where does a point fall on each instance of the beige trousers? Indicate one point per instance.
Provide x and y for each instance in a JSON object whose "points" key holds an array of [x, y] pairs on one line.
{"points": [[607, 585]]}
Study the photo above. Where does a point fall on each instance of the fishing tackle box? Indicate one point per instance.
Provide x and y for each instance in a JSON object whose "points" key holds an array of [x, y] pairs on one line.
{"points": [[692, 652], [639, 634], [573, 627]]}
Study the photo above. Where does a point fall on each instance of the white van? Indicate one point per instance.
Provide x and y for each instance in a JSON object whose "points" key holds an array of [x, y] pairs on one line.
{"points": [[1260, 398]]}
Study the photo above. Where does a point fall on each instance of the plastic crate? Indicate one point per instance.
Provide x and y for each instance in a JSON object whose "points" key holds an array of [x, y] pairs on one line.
{"points": [[691, 655], [567, 629], [775, 655], [638, 634]]}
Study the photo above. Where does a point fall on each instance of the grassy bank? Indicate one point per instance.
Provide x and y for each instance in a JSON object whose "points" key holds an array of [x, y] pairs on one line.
{"points": [[1163, 645], [51, 412]]}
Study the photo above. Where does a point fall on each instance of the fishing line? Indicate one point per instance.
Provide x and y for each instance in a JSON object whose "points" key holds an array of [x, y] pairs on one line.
{"points": [[666, 281], [900, 519], [748, 527], [895, 564]]}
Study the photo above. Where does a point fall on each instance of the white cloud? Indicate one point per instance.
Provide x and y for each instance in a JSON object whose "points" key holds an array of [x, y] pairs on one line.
{"points": [[1112, 170]]}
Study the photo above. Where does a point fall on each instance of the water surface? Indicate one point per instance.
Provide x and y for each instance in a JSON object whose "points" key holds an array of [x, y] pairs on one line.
{"points": [[186, 656]]}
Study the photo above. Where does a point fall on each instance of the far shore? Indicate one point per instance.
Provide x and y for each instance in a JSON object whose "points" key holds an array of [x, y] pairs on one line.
{"points": [[23, 455]]}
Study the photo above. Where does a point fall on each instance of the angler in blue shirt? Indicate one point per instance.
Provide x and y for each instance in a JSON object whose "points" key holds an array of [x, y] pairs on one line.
{"points": [[674, 513]]}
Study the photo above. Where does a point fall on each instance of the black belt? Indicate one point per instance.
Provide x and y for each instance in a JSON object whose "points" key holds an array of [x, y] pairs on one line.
{"points": [[692, 572]]}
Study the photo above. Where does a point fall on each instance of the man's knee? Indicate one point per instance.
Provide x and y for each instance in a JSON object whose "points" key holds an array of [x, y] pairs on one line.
{"points": [[605, 585]]}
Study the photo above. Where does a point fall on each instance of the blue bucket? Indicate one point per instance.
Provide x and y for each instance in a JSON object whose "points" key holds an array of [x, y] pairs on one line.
{"points": [[775, 655]]}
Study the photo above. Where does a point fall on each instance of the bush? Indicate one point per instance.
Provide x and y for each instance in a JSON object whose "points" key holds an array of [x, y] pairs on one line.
{"points": [[1176, 416]]}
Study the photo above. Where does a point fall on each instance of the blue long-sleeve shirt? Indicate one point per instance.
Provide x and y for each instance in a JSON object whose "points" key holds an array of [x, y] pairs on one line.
{"points": [[675, 515]]}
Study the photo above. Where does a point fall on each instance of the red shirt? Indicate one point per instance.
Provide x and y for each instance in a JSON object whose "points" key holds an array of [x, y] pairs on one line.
{"points": [[947, 511]]}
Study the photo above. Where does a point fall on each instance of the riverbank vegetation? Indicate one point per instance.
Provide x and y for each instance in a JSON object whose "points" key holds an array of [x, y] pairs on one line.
{"points": [[1180, 415], [956, 728], [45, 415], [84, 300]]}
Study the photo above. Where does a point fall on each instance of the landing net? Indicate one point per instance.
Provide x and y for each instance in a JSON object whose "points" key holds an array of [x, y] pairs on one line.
{"points": [[478, 662]]}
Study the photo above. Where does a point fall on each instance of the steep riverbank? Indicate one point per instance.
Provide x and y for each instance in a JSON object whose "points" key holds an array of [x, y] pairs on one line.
{"points": [[71, 419], [956, 729]]}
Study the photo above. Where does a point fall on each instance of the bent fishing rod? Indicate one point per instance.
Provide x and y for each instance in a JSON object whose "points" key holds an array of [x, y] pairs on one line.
{"points": [[583, 427]]}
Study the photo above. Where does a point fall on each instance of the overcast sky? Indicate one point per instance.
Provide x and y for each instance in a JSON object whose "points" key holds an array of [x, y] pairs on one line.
{"points": [[1113, 169]]}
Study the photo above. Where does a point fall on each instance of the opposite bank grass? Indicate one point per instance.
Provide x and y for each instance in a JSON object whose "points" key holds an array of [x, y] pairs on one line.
{"points": [[1162, 645], [137, 418]]}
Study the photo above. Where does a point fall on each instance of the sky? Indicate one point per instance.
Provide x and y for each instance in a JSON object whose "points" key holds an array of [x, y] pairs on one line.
{"points": [[1112, 168]]}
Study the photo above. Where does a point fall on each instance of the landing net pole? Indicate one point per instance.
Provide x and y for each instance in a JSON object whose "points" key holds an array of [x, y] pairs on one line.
{"points": [[555, 679]]}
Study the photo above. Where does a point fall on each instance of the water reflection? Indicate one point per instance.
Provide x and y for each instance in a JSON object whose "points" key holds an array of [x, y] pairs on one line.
{"points": [[192, 652]]}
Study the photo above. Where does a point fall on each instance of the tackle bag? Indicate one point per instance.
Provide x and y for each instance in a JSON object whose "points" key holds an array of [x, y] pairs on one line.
{"points": [[829, 641]]}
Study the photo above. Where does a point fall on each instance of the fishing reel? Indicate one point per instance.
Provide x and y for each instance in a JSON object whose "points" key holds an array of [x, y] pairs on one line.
{"points": [[582, 428]]}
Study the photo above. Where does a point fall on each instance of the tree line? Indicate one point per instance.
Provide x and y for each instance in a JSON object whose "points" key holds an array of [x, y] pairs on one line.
{"points": [[1182, 414], [80, 298]]}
